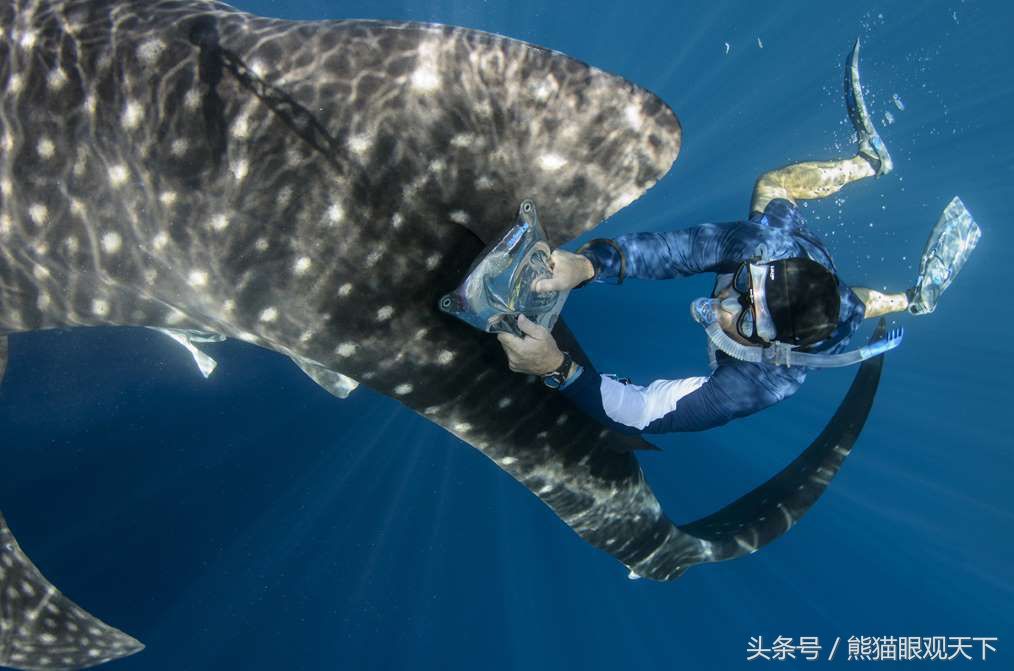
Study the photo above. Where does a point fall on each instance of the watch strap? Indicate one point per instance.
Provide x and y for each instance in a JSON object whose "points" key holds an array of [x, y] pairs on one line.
{"points": [[554, 379]]}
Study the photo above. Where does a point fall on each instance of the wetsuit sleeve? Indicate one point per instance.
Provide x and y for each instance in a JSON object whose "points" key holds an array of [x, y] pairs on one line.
{"points": [[735, 389], [585, 392], [663, 256]]}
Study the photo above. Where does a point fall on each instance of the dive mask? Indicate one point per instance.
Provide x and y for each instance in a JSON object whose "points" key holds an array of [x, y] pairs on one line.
{"points": [[748, 281]]}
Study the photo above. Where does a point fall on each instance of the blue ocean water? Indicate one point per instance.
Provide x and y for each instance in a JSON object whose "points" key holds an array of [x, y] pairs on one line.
{"points": [[253, 522]]}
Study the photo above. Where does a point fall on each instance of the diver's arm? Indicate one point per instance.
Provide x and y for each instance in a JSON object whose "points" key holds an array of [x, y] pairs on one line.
{"points": [[584, 389], [663, 256], [736, 389], [879, 304], [690, 404], [627, 408]]}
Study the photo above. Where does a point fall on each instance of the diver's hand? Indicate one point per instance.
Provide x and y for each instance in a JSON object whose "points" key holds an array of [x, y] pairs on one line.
{"points": [[569, 270], [536, 353]]}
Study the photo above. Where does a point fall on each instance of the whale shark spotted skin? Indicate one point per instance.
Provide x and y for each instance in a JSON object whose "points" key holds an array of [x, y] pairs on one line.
{"points": [[313, 188]]}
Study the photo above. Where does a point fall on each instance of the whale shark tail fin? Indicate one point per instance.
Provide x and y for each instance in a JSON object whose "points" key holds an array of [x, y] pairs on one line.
{"points": [[40, 628]]}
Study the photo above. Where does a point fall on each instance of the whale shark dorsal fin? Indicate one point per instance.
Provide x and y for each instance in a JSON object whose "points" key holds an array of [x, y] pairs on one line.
{"points": [[333, 382], [186, 338], [52, 631]]}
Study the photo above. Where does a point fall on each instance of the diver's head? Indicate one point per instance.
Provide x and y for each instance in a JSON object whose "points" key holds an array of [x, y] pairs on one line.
{"points": [[793, 301]]}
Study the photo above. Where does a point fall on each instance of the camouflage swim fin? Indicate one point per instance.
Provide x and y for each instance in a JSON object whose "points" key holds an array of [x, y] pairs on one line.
{"points": [[871, 147], [950, 244]]}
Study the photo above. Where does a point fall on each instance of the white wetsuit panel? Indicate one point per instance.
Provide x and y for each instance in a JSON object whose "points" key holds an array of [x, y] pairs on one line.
{"points": [[637, 406]]}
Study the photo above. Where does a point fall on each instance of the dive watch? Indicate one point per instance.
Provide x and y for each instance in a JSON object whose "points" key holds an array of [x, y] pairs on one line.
{"points": [[554, 379]]}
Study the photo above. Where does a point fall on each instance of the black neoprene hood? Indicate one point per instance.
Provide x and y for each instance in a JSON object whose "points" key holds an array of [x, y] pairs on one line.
{"points": [[803, 299]]}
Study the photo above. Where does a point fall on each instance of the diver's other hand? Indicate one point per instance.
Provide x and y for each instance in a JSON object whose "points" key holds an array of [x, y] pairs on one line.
{"points": [[569, 270], [534, 354]]}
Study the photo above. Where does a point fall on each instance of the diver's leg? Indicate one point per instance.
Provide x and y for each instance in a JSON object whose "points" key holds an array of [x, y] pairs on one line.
{"points": [[805, 181], [820, 179], [878, 303]]}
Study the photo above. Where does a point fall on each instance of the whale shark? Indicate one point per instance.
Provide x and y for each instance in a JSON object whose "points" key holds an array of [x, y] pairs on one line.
{"points": [[314, 188]]}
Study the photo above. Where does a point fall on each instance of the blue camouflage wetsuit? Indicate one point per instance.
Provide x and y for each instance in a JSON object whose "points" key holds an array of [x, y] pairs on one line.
{"points": [[735, 388]]}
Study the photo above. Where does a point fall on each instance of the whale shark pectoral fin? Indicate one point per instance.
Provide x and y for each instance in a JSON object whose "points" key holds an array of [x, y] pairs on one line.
{"points": [[187, 338], [586, 473], [774, 507], [333, 382], [3, 357], [40, 628], [600, 492]]}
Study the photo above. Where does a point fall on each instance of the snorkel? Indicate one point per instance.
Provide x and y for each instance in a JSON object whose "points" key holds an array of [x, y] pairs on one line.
{"points": [[705, 312]]}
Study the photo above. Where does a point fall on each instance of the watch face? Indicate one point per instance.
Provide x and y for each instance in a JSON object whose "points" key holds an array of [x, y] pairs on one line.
{"points": [[553, 380], [556, 378]]}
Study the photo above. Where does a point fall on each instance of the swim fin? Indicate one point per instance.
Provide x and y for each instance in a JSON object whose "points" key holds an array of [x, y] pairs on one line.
{"points": [[950, 244], [871, 147]]}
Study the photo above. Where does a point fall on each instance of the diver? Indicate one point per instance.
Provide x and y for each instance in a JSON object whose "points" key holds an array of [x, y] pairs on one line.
{"points": [[778, 307]]}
